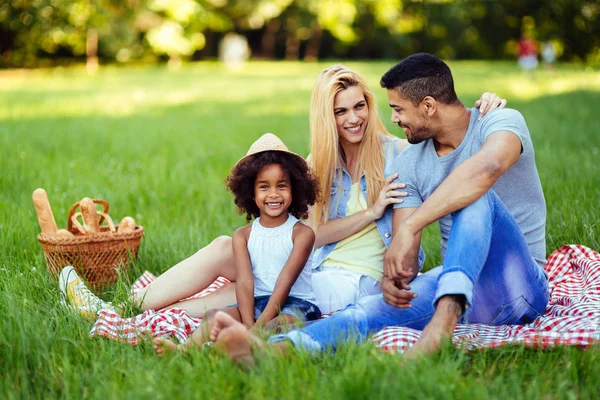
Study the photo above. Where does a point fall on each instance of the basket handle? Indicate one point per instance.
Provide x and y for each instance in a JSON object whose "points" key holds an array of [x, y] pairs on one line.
{"points": [[109, 221], [73, 221], [102, 214]]}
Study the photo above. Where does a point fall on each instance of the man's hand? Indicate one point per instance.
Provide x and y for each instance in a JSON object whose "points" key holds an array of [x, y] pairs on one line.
{"points": [[396, 293], [401, 260]]}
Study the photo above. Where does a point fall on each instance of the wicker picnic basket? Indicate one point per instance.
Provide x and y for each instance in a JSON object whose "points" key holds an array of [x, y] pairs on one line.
{"points": [[95, 256]]}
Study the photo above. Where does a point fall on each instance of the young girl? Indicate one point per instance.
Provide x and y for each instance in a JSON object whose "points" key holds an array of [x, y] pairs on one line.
{"points": [[275, 187]]}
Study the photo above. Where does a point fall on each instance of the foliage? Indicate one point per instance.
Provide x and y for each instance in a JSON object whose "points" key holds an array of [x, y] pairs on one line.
{"points": [[36, 32]]}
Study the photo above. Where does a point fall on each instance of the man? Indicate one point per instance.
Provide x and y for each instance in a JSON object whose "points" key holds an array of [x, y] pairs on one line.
{"points": [[479, 180]]}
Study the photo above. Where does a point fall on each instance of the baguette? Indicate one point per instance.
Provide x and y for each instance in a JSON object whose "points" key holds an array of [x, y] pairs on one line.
{"points": [[127, 225], [64, 233], [44, 212], [90, 215]]}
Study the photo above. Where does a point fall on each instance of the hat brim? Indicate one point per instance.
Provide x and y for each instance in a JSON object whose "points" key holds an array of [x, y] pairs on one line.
{"points": [[246, 157]]}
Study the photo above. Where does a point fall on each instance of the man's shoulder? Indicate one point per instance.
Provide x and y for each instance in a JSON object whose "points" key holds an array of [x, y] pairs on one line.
{"points": [[414, 151], [407, 161], [502, 114]]}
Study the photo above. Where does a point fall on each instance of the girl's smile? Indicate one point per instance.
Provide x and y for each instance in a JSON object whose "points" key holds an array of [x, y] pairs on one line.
{"points": [[273, 195]]}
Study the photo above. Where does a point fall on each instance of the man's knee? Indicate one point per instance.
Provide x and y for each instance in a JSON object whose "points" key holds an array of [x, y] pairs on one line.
{"points": [[478, 209]]}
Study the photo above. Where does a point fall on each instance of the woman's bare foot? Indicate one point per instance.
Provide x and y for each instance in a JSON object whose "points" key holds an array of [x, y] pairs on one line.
{"points": [[233, 338], [162, 346], [439, 329]]}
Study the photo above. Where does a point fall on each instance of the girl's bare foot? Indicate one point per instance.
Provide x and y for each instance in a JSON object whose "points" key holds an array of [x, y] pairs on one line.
{"points": [[233, 338], [216, 327], [162, 346]]}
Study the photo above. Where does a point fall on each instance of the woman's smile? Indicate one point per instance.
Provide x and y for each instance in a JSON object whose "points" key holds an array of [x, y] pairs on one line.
{"points": [[351, 113]]}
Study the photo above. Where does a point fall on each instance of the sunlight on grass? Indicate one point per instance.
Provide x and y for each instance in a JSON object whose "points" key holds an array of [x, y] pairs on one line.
{"points": [[158, 144], [531, 88]]}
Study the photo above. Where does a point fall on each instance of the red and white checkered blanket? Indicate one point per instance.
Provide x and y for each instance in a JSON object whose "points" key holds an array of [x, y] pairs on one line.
{"points": [[571, 318]]}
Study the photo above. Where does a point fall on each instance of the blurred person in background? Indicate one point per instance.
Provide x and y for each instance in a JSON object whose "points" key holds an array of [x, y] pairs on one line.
{"points": [[528, 53]]}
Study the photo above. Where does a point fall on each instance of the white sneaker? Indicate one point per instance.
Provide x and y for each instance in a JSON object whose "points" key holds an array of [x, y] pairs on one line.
{"points": [[74, 292]]}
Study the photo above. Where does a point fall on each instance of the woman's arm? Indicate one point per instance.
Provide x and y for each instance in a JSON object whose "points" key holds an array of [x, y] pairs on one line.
{"points": [[303, 238], [244, 287], [340, 228]]}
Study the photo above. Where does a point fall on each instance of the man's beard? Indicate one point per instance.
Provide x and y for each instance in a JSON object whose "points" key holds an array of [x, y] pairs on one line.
{"points": [[420, 133]]}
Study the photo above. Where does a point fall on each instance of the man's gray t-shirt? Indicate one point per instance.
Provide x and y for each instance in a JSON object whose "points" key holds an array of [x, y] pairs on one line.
{"points": [[519, 188]]}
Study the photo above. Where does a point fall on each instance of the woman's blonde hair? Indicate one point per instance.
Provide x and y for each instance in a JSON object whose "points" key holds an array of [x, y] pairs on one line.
{"points": [[327, 155]]}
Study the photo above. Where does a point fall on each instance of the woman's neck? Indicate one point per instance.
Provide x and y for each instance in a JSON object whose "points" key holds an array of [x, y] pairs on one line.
{"points": [[351, 159]]}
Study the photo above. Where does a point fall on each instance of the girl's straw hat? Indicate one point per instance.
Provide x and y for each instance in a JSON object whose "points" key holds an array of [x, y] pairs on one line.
{"points": [[268, 142]]}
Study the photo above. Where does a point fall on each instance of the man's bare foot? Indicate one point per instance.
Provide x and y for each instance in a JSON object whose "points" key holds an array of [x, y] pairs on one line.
{"points": [[439, 329], [162, 346], [234, 339]]}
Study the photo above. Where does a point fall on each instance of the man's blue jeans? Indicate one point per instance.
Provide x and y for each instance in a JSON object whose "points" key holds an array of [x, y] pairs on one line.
{"points": [[487, 261]]}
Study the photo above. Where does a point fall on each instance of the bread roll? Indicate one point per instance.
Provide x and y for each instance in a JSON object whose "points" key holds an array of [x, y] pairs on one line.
{"points": [[64, 233], [90, 215], [44, 212], [127, 225]]}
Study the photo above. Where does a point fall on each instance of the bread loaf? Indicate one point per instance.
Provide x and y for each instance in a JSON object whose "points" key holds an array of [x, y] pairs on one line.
{"points": [[127, 225], [44, 212], [64, 233], [90, 215]]}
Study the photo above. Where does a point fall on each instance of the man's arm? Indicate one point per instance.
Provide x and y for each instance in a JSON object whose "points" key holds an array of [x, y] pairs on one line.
{"points": [[469, 181], [401, 256], [465, 184]]}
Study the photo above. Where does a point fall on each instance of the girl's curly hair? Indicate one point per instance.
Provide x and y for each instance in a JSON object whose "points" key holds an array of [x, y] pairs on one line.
{"points": [[243, 177]]}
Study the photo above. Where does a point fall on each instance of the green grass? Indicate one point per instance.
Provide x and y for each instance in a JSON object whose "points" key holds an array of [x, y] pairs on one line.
{"points": [[158, 144]]}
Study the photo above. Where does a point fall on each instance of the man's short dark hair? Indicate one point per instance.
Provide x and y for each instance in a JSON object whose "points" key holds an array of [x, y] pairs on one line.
{"points": [[421, 75]]}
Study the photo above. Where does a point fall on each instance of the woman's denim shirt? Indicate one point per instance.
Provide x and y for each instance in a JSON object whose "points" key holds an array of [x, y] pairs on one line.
{"points": [[340, 194]]}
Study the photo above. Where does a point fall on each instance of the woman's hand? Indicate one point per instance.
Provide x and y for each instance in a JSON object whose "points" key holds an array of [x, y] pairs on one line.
{"points": [[488, 102], [388, 195]]}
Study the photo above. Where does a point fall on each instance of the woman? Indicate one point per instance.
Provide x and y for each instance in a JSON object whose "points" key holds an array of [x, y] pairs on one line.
{"points": [[351, 153]]}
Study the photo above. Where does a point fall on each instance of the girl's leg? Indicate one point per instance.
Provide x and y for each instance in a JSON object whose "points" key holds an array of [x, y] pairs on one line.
{"points": [[190, 276]]}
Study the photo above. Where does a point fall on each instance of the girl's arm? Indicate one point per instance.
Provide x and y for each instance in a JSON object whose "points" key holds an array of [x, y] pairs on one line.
{"points": [[303, 238], [244, 285]]}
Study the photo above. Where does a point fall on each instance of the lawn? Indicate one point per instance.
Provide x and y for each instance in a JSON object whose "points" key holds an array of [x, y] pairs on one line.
{"points": [[157, 145]]}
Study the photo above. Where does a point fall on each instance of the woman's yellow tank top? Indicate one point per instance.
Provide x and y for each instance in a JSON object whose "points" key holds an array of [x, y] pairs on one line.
{"points": [[363, 251]]}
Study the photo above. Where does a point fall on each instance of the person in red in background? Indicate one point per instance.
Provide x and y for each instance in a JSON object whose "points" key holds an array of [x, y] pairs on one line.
{"points": [[528, 51]]}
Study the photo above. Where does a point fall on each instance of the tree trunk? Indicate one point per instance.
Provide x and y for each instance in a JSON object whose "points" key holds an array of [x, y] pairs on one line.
{"points": [[292, 47], [314, 43], [91, 51], [269, 39]]}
